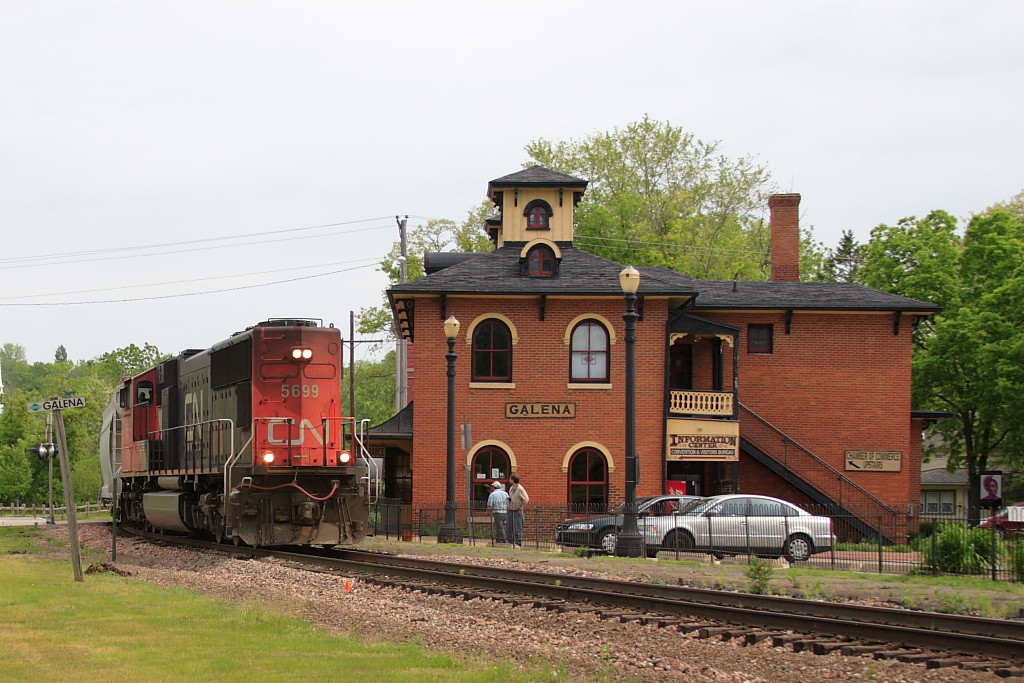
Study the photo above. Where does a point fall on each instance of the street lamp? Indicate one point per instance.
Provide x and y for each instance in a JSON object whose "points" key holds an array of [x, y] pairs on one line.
{"points": [[630, 543], [449, 531]]}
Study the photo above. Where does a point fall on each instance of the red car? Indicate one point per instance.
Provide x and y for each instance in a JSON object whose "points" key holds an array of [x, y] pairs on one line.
{"points": [[1009, 521]]}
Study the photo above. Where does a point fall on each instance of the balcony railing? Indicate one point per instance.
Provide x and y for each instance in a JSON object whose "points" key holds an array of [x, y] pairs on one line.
{"points": [[701, 402]]}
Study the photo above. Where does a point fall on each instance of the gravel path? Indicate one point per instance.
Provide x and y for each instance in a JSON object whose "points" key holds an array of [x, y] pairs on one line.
{"points": [[585, 647]]}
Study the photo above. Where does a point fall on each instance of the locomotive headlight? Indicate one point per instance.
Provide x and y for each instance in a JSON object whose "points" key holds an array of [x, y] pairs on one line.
{"points": [[296, 353], [307, 354], [345, 457], [268, 457]]}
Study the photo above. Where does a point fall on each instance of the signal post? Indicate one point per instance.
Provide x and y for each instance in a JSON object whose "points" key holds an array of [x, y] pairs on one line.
{"points": [[56, 406]]}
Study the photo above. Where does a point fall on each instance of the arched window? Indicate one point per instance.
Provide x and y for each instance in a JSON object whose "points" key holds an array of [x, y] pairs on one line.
{"points": [[490, 464], [540, 261], [588, 481], [538, 215], [492, 352], [589, 357]]}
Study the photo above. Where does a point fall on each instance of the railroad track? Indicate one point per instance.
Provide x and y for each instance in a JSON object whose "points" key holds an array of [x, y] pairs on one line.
{"points": [[937, 640]]}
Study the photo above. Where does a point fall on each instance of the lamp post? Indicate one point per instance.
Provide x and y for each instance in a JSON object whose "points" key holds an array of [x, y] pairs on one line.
{"points": [[449, 531], [629, 542]]}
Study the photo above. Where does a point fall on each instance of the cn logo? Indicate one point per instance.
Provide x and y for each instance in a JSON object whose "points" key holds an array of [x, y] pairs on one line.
{"points": [[273, 427]]}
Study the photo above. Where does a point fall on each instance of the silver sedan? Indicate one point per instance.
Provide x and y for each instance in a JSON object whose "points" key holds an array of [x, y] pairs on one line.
{"points": [[741, 524]]}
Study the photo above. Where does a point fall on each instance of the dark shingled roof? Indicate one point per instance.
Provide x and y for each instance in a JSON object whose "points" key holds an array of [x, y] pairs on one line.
{"points": [[536, 176], [579, 272], [583, 273], [942, 476], [752, 295]]}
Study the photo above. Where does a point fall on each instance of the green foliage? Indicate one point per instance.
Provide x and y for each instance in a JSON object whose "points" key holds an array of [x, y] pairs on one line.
{"points": [[25, 478], [843, 263], [439, 234], [1015, 557], [955, 549], [970, 358], [658, 196], [759, 573], [375, 389]]}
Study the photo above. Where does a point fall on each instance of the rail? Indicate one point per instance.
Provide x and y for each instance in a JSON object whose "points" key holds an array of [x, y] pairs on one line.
{"points": [[845, 492]]}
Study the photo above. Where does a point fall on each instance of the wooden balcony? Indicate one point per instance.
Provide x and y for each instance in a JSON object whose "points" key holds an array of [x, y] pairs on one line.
{"points": [[701, 403]]}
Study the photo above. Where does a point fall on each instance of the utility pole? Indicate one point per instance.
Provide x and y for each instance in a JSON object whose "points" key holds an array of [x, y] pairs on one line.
{"points": [[401, 349], [69, 496]]}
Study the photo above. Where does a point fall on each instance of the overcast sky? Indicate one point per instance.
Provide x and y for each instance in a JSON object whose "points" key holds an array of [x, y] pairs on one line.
{"points": [[134, 124]]}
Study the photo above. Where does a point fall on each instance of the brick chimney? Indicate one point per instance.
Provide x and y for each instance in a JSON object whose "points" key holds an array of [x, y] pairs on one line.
{"points": [[784, 210]]}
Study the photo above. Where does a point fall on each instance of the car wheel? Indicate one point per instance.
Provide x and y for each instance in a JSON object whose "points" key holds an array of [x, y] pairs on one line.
{"points": [[678, 540], [799, 548], [607, 542], [651, 551]]}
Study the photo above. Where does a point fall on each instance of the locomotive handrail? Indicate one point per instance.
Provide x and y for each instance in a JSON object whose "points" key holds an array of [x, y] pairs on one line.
{"points": [[365, 454], [231, 431]]}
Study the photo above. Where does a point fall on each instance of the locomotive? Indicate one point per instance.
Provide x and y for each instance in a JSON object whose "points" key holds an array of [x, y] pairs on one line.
{"points": [[244, 441]]}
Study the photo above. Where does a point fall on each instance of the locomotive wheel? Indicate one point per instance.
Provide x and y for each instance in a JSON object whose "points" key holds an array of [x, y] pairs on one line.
{"points": [[218, 534]]}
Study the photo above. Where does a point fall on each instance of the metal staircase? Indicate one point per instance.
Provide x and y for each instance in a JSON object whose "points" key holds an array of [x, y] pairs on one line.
{"points": [[821, 482]]}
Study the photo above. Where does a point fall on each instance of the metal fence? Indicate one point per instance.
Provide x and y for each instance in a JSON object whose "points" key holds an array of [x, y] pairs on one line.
{"points": [[898, 543]]}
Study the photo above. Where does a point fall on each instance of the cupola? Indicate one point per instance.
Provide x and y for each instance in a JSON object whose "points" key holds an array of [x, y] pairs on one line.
{"points": [[535, 203]]}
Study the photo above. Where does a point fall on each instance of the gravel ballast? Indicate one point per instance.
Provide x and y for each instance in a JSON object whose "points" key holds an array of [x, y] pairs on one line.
{"points": [[581, 646]]}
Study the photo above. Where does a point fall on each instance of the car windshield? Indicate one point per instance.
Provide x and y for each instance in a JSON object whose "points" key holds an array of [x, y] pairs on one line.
{"points": [[699, 506]]}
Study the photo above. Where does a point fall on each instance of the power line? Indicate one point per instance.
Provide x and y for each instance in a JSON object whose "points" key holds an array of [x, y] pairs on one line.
{"points": [[181, 282], [177, 296], [183, 251], [180, 243]]}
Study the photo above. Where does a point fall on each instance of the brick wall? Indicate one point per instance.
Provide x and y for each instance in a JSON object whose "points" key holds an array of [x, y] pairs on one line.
{"points": [[837, 382], [540, 372]]}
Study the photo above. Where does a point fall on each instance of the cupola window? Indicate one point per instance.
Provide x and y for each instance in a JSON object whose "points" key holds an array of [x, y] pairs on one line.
{"points": [[538, 215]]}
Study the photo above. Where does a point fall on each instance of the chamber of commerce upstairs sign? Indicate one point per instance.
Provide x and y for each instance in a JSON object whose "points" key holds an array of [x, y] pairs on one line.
{"points": [[873, 461]]}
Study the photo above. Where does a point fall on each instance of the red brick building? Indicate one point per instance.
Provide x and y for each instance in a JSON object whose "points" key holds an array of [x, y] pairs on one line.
{"points": [[794, 389]]}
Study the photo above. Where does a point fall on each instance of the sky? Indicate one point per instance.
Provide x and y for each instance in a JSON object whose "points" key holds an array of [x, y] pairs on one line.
{"points": [[173, 172]]}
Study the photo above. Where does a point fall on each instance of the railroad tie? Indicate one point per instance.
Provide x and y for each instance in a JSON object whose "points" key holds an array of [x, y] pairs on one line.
{"points": [[712, 631], [918, 658], [893, 654], [824, 647], [755, 637], [807, 644], [786, 639], [982, 665], [858, 650], [943, 662], [1010, 672], [689, 627]]}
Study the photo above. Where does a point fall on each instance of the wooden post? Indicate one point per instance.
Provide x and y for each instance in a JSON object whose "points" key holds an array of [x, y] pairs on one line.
{"points": [[69, 495]]}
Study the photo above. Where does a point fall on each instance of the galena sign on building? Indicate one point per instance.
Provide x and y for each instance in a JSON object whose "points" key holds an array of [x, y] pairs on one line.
{"points": [[703, 440]]}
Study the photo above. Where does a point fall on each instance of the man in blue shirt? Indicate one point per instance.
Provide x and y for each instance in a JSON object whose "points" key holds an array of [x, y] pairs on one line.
{"points": [[497, 503]]}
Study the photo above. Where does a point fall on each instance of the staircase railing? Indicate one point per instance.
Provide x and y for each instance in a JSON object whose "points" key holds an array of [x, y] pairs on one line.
{"points": [[840, 489]]}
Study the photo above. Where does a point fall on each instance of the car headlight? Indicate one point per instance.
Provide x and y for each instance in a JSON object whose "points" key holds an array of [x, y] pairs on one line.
{"points": [[580, 526]]}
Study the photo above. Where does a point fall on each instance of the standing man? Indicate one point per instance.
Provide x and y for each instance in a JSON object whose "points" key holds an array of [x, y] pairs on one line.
{"points": [[517, 500], [497, 503]]}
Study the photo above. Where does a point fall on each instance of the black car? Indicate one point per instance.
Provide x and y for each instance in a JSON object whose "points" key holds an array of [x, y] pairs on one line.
{"points": [[600, 531]]}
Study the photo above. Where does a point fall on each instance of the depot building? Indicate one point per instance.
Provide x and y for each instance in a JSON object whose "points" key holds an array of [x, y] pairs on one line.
{"points": [[799, 390]]}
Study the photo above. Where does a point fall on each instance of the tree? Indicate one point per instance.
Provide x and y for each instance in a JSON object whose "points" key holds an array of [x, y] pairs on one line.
{"points": [[439, 234], [13, 365], [61, 355], [842, 263], [970, 359], [375, 389], [659, 196]]}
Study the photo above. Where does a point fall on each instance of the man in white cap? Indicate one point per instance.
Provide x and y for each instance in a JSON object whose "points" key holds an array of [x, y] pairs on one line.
{"points": [[497, 503]]}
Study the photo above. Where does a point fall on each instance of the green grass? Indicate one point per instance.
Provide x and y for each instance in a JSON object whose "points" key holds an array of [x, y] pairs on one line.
{"points": [[115, 629]]}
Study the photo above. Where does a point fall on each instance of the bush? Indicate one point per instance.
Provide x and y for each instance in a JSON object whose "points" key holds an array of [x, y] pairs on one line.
{"points": [[955, 549], [760, 573], [1016, 560]]}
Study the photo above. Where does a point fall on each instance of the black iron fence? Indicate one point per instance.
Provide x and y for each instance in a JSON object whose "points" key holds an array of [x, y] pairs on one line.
{"points": [[905, 543]]}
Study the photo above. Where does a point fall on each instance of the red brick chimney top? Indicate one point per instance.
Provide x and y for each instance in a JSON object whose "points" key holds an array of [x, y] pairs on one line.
{"points": [[784, 210]]}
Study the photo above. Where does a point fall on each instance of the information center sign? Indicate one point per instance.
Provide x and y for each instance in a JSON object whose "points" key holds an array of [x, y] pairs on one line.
{"points": [[703, 440]]}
